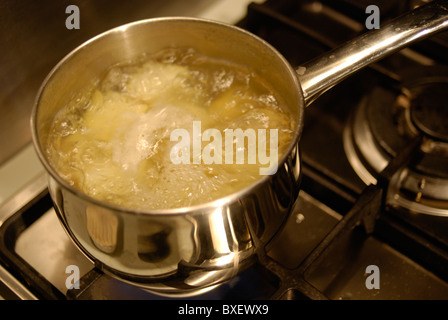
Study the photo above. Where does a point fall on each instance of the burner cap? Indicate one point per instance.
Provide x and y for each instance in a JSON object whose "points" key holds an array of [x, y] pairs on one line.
{"points": [[386, 121], [429, 111]]}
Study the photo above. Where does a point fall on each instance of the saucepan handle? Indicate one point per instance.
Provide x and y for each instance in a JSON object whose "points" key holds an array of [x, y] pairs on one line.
{"points": [[324, 72]]}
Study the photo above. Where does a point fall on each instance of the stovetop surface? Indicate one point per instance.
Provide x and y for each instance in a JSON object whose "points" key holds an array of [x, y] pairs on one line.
{"points": [[43, 257], [40, 258]]}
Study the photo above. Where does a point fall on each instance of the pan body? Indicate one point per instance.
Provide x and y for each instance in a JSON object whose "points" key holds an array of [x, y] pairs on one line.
{"points": [[182, 251]]}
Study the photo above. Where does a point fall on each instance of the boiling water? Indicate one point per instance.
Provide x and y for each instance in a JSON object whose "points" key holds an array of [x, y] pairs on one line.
{"points": [[112, 141]]}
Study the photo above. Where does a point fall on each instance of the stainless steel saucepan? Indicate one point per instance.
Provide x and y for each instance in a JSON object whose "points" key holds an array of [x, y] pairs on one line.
{"points": [[185, 251]]}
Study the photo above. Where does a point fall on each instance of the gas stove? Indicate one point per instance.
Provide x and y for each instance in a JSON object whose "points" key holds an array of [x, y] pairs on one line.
{"points": [[371, 221]]}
